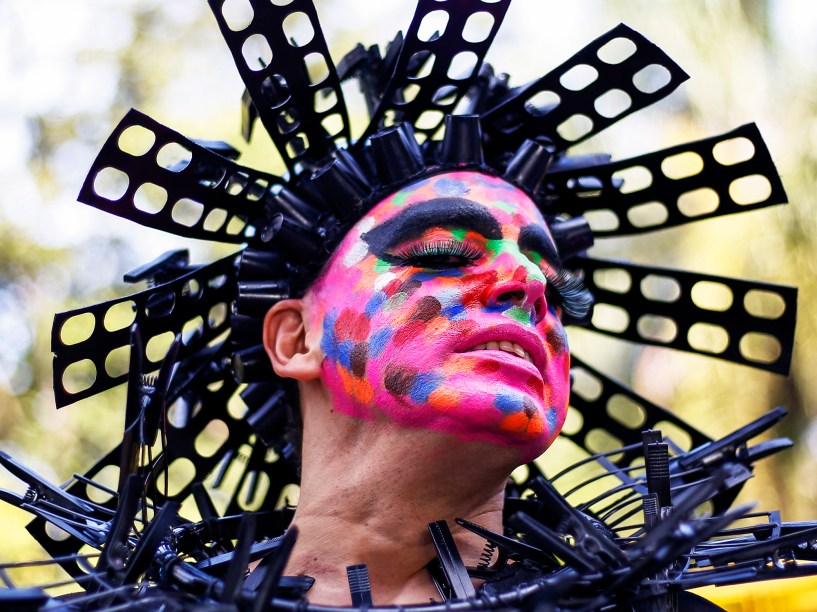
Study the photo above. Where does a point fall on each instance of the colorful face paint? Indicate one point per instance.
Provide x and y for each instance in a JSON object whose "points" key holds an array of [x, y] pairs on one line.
{"points": [[436, 313]]}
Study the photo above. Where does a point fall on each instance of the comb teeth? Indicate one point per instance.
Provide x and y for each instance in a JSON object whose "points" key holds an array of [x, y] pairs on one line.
{"points": [[359, 585]]}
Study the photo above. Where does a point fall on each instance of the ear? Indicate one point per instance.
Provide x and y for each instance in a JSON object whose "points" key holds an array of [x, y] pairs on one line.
{"points": [[292, 349]]}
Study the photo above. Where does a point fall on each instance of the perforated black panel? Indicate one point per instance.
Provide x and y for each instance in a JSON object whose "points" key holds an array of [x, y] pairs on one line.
{"points": [[614, 76], [303, 110], [154, 176], [448, 60], [91, 345], [716, 176], [745, 322], [603, 404], [206, 433]]}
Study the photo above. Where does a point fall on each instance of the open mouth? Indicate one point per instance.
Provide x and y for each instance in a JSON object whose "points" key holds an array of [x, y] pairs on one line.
{"points": [[503, 345]]}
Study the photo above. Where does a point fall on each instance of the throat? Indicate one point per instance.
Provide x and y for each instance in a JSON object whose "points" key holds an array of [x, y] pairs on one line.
{"points": [[397, 554]]}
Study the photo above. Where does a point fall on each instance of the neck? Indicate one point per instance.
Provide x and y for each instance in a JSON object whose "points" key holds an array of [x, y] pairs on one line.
{"points": [[369, 491]]}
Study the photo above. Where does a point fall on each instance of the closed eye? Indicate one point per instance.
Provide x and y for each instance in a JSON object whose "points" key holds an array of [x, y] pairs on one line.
{"points": [[439, 255]]}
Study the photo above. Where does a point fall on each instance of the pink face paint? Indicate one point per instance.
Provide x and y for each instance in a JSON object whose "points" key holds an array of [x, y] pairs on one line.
{"points": [[435, 314]]}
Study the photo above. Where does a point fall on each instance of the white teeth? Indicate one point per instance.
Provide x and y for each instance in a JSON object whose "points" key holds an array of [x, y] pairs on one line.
{"points": [[505, 346]]}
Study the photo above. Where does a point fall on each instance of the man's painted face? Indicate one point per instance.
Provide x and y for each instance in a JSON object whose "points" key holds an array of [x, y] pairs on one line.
{"points": [[438, 313]]}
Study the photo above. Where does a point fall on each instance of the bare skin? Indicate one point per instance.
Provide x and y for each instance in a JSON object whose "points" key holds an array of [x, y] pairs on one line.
{"points": [[446, 387], [370, 488]]}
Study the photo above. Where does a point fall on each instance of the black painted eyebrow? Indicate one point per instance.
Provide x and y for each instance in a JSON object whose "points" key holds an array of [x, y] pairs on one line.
{"points": [[535, 238], [439, 212]]}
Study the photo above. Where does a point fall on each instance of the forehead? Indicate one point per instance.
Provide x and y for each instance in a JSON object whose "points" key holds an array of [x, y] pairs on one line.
{"points": [[507, 204]]}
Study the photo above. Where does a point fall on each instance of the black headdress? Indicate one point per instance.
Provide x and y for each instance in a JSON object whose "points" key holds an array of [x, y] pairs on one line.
{"points": [[434, 105]]}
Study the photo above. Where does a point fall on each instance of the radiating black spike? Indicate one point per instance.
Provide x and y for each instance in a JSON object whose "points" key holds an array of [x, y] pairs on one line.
{"points": [[237, 569], [450, 561], [204, 504], [300, 244], [256, 264], [396, 153], [293, 206], [529, 164], [256, 394], [352, 166], [245, 330], [274, 570], [268, 419], [341, 188], [462, 143], [150, 541], [252, 364], [255, 298], [167, 267], [572, 236]]}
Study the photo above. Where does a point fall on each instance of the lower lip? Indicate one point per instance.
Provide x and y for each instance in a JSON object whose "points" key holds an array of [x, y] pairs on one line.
{"points": [[505, 359]]}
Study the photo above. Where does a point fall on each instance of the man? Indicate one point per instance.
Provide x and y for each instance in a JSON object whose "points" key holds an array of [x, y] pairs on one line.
{"points": [[415, 296], [431, 361]]}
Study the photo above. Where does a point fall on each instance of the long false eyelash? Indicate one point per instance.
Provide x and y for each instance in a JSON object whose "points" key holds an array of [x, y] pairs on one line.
{"points": [[575, 299], [416, 252]]}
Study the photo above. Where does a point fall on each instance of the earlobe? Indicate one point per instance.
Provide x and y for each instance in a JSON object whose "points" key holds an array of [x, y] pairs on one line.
{"points": [[293, 351]]}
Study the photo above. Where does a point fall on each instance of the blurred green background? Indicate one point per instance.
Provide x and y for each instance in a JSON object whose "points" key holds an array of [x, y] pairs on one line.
{"points": [[70, 71]]}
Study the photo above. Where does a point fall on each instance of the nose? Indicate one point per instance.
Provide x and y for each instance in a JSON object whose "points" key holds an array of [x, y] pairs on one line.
{"points": [[522, 287]]}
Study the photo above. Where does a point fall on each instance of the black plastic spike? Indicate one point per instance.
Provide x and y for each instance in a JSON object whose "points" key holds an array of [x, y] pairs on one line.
{"points": [[572, 236], [245, 330], [729, 444], [255, 298], [293, 206], [268, 419], [204, 503], [353, 167], [462, 144], [529, 164], [340, 188], [252, 364], [149, 542], [298, 243], [237, 569], [274, 570], [456, 576], [256, 264], [396, 153], [167, 267]]}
